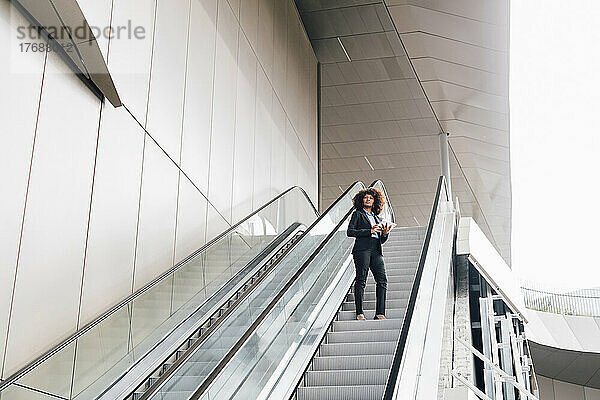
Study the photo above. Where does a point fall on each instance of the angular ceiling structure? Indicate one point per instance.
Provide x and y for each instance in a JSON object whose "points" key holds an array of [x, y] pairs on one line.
{"points": [[396, 73]]}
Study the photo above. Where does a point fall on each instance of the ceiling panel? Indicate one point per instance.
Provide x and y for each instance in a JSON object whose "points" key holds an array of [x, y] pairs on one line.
{"points": [[394, 74], [444, 91], [423, 45], [414, 18], [449, 110], [578, 367], [491, 11], [432, 69]]}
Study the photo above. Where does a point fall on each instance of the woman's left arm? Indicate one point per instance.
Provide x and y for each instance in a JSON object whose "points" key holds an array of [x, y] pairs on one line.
{"points": [[353, 230]]}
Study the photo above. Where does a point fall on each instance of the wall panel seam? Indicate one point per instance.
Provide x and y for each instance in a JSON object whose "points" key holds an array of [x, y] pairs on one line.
{"points": [[212, 106], [112, 8], [23, 218], [235, 118], [151, 64], [212, 101], [187, 53], [155, 2], [254, 126], [87, 233], [175, 238], [137, 224]]}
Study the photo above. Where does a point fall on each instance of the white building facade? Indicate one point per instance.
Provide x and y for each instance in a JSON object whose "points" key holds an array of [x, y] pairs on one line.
{"points": [[219, 115]]}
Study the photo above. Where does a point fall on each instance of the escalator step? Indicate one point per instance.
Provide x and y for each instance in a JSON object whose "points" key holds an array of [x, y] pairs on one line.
{"points": [[405, 238], [340, 326], [406, 271], [346, 377], [408, 245], [352, 362], [357, 348], [362, 336], [402, 251], [401, 259], [392, 287], [369, 305], [365, 392], [393, 279], [350, 315], [396, 295]]}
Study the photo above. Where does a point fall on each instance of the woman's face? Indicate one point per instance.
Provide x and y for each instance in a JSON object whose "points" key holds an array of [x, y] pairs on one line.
{"points": [[368, 201]]}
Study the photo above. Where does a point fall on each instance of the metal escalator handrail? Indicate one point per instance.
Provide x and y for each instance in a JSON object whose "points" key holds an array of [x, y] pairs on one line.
{"points": [[33, 364], [410, 308], [215, 372], [387, 198]]}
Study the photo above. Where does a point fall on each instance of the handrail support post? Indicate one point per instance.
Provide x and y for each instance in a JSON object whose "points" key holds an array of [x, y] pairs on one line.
{"points": [[445, 162]]}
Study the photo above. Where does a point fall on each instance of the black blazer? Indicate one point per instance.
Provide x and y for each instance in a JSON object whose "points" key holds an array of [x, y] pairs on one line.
{"points": [[360, 228]]}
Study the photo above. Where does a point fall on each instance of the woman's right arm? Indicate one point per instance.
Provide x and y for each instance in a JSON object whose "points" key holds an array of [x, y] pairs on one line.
{"points": [[352, 228]]}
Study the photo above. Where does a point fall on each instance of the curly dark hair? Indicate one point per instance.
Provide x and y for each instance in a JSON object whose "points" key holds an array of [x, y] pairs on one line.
{"points": [[378, 196]]}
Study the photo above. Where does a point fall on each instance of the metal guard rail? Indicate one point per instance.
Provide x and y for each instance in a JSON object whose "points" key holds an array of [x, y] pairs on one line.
{"points": [[583, 302]]}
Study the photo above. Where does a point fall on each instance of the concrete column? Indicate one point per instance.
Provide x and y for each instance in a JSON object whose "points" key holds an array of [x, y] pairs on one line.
{"points": [[463, 359], [445, 161]]}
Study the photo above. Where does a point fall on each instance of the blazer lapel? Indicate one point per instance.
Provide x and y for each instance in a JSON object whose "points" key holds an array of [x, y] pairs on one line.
{"points": [[366, 217], [377, 218]]}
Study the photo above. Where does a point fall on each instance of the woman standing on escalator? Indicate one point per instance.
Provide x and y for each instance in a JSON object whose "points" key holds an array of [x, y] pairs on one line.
{"points": [[366, 226]]}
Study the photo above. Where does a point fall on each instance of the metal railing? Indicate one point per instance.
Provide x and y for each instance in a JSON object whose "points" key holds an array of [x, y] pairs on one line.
{"points": [[582, 302]]}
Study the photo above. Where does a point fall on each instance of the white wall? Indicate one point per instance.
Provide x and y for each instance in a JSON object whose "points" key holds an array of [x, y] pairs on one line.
{"points": [[551, 389], [220, 116], [483, 255]]}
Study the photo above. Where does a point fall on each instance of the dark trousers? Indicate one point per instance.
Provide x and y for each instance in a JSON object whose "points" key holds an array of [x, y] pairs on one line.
{"points": [[363, 261]]}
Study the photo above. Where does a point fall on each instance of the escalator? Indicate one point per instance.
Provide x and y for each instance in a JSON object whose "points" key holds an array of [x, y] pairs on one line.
{"points": [[305, 344], [280, 323], [354, 359]]}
